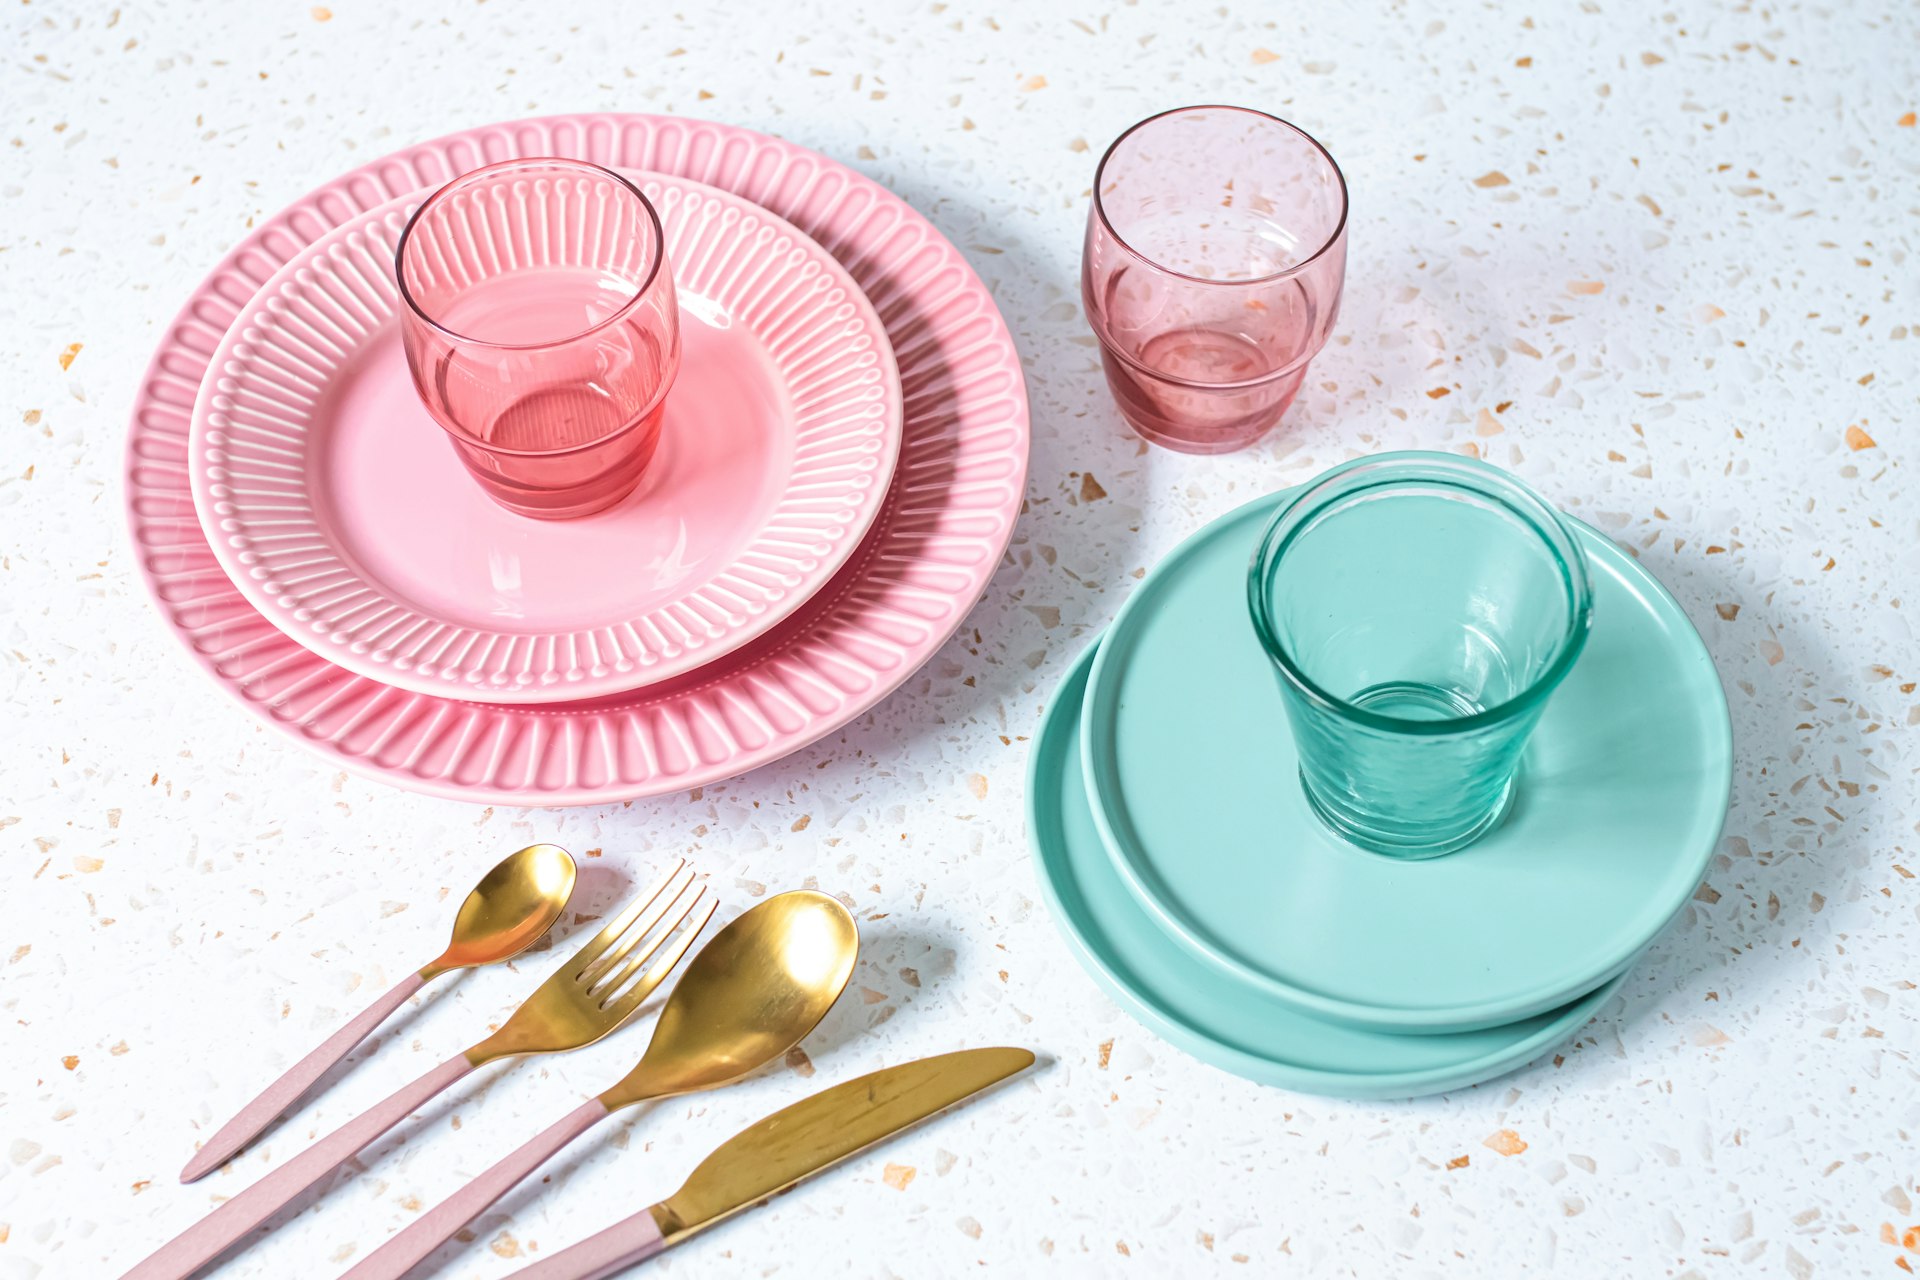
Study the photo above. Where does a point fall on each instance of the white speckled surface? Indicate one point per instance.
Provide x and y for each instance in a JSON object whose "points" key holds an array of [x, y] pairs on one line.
{"points": [[1658, 263]]}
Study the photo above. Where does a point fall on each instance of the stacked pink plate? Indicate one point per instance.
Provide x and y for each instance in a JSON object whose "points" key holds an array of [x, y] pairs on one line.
{"points": [[842, 462]]}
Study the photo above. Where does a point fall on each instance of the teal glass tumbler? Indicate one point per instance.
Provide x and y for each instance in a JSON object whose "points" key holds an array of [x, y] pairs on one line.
{"points": [[1420, 609]]}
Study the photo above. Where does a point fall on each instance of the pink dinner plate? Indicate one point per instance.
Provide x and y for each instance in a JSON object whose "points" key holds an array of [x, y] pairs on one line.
{"points": [[941, 530], [338, 507]]}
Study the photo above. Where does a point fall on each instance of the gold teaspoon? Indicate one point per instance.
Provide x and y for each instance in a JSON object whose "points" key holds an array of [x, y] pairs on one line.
{"points": [[507, 912]]}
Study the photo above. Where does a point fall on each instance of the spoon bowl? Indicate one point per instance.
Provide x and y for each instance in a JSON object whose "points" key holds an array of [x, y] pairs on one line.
{"points": [[511, 908], [752, 993]]}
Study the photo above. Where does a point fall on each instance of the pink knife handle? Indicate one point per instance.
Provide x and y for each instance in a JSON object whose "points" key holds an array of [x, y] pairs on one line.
{"points": [[287, 1090], [214, 1234], [436, 1226], [610, 1252]]}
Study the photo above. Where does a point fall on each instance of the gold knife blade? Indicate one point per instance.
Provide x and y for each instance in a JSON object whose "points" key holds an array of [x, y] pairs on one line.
{"points": [[766, 1158]]}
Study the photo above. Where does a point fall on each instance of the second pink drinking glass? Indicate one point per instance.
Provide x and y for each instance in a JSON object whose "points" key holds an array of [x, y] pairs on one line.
{"points": [[542, 330], [1216, 251]]}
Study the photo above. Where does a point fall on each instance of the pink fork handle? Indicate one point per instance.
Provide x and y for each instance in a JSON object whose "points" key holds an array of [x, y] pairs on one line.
{"points": [[287, 1090], [214, 1234], [436, 1226], [612, 1251]]}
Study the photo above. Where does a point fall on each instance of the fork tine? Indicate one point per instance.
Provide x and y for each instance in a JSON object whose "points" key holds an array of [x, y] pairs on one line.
{"points": [[595, 974], [624, 1006], [605, 987], [618, 925], [647, 910]]}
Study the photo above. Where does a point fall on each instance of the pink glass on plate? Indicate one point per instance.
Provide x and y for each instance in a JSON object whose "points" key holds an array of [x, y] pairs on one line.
{"points": [[1215, 254], [542, 330]]}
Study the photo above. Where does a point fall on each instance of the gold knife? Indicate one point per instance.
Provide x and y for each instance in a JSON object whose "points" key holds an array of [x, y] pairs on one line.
{"points": [[768, 1157]]}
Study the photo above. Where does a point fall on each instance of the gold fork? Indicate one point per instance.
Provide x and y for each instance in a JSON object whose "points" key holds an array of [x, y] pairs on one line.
{"points": [[586, 998]]}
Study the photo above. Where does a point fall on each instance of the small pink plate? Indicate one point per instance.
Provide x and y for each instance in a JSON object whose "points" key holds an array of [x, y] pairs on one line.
{"points": [[340, 510], [939, 536]]}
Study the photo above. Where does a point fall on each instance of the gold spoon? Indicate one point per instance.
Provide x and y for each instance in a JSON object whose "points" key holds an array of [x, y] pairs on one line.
{"points": [[750, 995], [507, 912]]}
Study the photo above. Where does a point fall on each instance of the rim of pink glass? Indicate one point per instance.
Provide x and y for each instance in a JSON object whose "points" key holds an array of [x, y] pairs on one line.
{"points": [[1339, 228], [659, 254]]}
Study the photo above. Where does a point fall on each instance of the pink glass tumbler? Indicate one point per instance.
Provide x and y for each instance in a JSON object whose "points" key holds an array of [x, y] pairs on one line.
{"points": [[1216, 251], [542, 331]]}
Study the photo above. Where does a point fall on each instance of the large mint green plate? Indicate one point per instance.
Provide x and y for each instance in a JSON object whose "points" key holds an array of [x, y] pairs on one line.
{"points": [[1195, 791], [1213, 1015]]}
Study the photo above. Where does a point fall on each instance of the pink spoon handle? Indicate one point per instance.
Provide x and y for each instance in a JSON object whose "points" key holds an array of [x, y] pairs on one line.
{"points": [[207, 1239], [436, 1226], [287, 1090], [610, 1252]]}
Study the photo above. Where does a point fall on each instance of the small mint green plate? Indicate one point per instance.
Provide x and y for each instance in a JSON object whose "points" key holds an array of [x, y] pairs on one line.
{"points": [[1213, 1015], [1196, 794]]}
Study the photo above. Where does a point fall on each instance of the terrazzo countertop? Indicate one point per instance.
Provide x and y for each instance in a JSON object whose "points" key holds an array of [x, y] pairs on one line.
{"points": [[1657, 261]]}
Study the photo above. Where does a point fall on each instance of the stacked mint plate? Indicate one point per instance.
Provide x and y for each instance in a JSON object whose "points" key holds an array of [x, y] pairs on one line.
{"points": [[1181, 860]]}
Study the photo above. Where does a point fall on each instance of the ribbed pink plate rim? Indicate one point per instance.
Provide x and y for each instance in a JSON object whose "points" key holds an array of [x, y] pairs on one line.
{"points": [[946, 522], [735, 604]]}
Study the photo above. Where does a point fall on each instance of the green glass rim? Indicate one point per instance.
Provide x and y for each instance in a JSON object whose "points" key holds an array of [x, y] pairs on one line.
{"points": [[1430, 470]]}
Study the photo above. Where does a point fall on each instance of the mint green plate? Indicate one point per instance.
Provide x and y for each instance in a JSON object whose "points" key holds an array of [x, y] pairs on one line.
{"points": [[1196, 793], [1213, 1015]]}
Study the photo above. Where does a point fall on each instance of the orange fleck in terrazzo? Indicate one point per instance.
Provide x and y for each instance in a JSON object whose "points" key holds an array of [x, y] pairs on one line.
{"points": [[1504, 1141]]}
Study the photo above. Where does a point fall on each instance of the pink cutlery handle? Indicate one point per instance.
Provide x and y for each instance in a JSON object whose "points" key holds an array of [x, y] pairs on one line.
{"points": [[436, 1226], [598, 1256], [214, 1234], [287, 1090]]}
